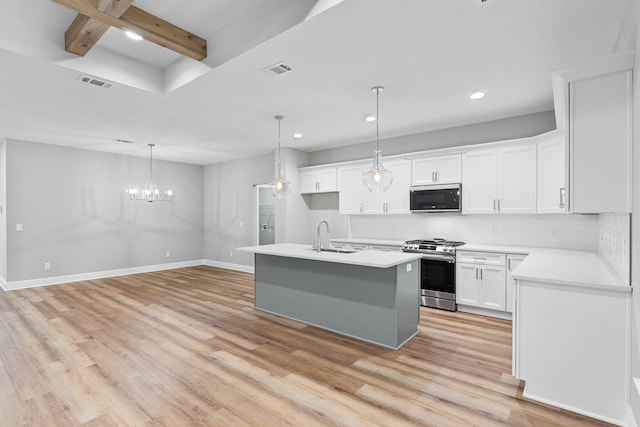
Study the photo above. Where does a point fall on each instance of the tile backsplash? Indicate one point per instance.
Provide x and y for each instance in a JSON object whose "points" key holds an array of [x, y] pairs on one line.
{"points": [[578, 232], [614, 242]]}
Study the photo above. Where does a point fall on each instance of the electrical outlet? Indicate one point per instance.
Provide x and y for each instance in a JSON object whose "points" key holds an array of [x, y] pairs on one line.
{"points": [[241, 224], [555, 231], [18, 227], [167, 254], [408, 268], [47, 266], [230, 254]]}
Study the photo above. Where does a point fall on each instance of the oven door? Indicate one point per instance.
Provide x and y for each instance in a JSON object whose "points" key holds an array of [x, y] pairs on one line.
{"points": [[438, 276]]}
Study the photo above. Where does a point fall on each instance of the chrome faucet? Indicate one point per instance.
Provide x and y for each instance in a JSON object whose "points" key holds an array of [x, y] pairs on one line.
{"points": [[318, 241]]}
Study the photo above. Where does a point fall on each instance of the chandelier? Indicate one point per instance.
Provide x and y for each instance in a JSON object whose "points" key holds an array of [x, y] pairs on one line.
{"points": [[150, 192]]}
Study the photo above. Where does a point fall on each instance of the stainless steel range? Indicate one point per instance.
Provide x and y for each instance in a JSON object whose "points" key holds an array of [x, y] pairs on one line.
{"points": [[437, 271]]}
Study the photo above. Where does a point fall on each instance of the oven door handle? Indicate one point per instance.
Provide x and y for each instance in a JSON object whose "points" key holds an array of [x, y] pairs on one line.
{"points": [[438, 257]]}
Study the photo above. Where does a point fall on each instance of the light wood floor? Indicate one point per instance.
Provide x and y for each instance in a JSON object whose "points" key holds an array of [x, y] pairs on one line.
{"points": [[186, 347]]}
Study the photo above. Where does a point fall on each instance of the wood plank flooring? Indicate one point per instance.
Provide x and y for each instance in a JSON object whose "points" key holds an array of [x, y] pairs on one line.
{"points": [[186, 347]]}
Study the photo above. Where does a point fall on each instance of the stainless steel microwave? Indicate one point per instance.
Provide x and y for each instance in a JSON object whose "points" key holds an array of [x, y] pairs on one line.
{"points": [[436, 198]]}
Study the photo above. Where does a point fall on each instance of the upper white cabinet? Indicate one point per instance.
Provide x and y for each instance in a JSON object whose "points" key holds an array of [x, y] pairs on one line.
{"points": [[396, 199], [501, 180], [552, 173], [318, 180], [600, 143], [350, 187], [437, 170]]}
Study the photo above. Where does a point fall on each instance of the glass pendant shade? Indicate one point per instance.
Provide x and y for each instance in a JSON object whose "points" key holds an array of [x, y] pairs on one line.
{"points": [[377, 178], [280, 186], [150, 192]]}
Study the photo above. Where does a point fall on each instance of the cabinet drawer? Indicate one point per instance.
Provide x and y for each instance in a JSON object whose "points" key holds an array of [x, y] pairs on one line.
{"points": [[483, 258], [386, 248]]}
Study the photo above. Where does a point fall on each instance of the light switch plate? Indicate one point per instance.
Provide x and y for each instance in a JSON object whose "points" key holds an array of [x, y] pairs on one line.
{"points": [[18, 227], [408, 268]]}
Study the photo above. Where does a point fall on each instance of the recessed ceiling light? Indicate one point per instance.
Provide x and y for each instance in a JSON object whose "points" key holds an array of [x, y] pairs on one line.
{"points": [[297, 135], [132, 35], [478, 95], [370, 118]]}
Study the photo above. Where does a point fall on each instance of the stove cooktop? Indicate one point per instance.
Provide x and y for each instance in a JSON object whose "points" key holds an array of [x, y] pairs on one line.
{"points": [[433, 245]]}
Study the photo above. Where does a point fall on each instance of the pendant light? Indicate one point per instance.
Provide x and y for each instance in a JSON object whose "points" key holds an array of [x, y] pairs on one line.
{"points": [[151, 192], [280, 187], [377, 179]]}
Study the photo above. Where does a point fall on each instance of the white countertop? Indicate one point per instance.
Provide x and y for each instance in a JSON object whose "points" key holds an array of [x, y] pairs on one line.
{"points": [[570, 268], [378, 259], [496, 248]]}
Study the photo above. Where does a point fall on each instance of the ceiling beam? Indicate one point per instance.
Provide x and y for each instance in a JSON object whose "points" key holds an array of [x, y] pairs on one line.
{"points": [[148, 26], [84, 32]]}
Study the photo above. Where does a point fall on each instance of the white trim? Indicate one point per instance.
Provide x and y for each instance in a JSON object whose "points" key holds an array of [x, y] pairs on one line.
{"points": [[46, 281], [631, 419], [229, 266], [485, 312], [572, 409], [3, 283]]}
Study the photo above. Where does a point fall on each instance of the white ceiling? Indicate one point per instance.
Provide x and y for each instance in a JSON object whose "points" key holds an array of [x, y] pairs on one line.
{"points": [[429, 55]]}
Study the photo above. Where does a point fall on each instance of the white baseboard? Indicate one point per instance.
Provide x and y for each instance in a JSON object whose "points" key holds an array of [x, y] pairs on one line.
{"points": [[229, 266], [485, 312], [572, 409], [46, 281]]}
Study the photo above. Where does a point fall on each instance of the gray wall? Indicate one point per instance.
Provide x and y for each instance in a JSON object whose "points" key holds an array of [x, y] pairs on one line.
{"points": [[498, 130], [76, 216], [230, 207], [635, 246], [3, 205]]}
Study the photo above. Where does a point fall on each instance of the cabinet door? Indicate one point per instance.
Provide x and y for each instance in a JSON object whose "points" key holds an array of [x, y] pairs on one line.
{"points": [[492, 292], [467, 276], [423, 171], [517, 179], [327, 180], [552, 167], [449, 169], [374, 202], [397, 197], [479, 177], [600, 131], [350, 190], [512, 262], [308, 182]]}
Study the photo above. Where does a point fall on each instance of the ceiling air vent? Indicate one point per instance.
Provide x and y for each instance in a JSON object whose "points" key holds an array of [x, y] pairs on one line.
{"points": [[278, 69], [124, 141], [93, 81], [481, 2]]}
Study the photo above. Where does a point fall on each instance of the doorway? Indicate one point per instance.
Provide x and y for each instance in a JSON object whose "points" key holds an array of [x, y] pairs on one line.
{"points": [[266, 219]]}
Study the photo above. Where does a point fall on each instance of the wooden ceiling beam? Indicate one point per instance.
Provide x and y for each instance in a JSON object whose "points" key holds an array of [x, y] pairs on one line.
{"points": [[146, 25], [84, 32]]}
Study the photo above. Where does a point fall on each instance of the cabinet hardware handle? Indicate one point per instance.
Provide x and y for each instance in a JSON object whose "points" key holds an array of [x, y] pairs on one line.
{"points": [[437, 176], [481, 270], [433, 176], [494, 205], [562, 198], [476, 274], [361, 207], [498, 205], [509, 264]]}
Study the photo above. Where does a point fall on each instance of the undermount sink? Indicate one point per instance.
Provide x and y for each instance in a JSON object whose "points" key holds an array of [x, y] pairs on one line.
{"points": [[335, 250]]}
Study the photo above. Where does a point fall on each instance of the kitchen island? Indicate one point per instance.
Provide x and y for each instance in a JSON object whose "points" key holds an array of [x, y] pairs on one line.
{"points": [[369, 295]]}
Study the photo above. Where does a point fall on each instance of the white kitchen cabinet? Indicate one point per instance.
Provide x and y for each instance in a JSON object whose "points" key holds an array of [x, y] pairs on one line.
{"points": [[437, 170], [512, 262], [600, 118], [516, 186], [396, 199], [350, 190], [501, 180], [479, 180], [481, 280], [552, 173], [321, 180]]}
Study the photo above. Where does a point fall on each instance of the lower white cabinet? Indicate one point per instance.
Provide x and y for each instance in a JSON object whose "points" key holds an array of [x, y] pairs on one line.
{"points": [[512, 262], [481, 279]]}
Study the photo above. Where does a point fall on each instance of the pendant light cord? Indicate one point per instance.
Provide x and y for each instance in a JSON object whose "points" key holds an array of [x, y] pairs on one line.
{"points": [[377, 89], [279, 119], [151, 161]]}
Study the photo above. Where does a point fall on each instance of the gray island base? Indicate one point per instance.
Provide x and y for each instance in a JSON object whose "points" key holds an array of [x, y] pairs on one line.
{"points": [[379, 305]]}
